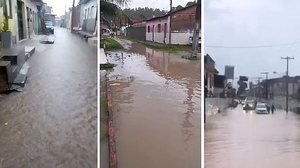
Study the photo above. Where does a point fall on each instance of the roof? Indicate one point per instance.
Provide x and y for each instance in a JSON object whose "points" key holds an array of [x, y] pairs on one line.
{"points": [[283, 79], [172, 12]]}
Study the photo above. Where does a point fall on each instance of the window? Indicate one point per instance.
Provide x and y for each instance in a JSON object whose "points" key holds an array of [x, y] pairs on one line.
{"points": [[92, 11], [159, 28], [85, 13], [148, 29]]}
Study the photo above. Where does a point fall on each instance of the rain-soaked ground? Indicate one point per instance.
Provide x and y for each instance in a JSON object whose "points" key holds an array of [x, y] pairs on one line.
{"points": [[236, 139], [53, 122], [156, 106]]}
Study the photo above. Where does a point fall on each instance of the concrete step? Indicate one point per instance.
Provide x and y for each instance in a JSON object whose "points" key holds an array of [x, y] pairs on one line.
{"points": [[48, 39], [20, 80], [93, 41], [29, 51], [22, 76]]}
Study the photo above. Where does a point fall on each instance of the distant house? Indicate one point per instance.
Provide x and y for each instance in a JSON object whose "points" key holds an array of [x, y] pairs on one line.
{"points": [[209, 75], [219, 85], [137, 30], [182, 26], [277, 86]]}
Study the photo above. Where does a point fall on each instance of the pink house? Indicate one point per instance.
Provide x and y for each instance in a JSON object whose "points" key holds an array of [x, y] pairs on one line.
{"points": [[182, 27]]}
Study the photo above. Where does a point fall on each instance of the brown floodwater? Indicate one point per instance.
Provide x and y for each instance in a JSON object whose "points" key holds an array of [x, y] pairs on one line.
{"points": [[156, 106], [238, 139], [53, 122]]}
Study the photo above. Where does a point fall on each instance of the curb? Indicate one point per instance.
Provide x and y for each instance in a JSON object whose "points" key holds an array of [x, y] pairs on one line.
{"points": [[111, 133]]}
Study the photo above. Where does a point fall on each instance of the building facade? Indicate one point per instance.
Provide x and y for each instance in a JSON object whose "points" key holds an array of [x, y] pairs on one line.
{"points": [[174, 28], [23, 18], [88, 15]]}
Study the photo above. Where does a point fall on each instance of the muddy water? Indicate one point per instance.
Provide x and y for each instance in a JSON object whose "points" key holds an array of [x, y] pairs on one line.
{"points": [[53, 122], [238, 139], [156, 104]]}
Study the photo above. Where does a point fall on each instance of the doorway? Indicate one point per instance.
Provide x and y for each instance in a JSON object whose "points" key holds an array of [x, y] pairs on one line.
{"points": [[21, 27]]}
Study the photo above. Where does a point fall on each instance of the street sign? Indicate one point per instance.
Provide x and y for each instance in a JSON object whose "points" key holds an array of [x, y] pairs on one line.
{"points": [[229, 72]]}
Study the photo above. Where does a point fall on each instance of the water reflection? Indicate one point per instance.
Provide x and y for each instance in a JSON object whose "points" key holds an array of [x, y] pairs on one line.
{"points": [[246, 139], [157, 108]]}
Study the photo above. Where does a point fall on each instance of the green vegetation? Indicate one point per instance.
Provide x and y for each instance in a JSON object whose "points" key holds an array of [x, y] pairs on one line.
{"points": [[173, 48], [110, 44], [106, 66], [191, 57], [163, 47]]}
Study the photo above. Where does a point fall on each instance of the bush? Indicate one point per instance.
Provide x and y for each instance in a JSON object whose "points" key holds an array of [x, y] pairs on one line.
{"points": [[110, 44]]}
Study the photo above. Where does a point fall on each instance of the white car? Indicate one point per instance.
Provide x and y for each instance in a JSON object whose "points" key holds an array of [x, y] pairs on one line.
{"points": [[261, 108]]}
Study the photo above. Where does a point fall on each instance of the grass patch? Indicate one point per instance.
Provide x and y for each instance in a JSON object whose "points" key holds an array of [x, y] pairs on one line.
{"points": [[107, 66], [162, 47], [191, 57], [110, 44], [175, 48]]}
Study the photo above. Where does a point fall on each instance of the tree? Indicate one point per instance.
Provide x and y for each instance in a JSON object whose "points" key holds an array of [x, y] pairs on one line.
{"points": [[178, 7], [190, 3], [108, 8]]}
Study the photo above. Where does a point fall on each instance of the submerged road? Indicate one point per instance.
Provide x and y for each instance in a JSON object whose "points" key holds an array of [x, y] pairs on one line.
{"points": [[156, 106], [237, 138], [53, 122]]}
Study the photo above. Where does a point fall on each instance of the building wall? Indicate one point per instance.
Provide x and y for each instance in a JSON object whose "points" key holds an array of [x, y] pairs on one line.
{"points": [[88, 15], [180, 38], [29, 19], [184, 20], [182, 24], [153, 34], [138, 33]]}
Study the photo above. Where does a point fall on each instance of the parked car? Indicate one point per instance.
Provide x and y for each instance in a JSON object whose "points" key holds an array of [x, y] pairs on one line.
{"points": [[191, 40], [49, 27], [262, 108]]}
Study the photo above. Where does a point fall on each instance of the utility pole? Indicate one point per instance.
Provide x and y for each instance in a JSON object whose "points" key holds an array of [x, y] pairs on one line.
{"points": [[170, 22], [266, 73], [72, 19], [196, 29], [287, 82]]}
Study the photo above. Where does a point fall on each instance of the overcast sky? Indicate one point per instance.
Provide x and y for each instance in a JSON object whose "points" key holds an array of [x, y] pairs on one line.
{"points": [[236, 23], [161, 4], [58, 6]]}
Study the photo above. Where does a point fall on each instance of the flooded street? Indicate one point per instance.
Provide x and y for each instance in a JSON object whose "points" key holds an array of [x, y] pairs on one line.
{"points": [[53, 122], [236, 138], [156, 106]]}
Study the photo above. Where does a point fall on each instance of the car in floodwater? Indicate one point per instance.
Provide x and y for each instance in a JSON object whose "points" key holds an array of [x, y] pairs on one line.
{"points": [[49, 27], [249, 104], [262, 108]]}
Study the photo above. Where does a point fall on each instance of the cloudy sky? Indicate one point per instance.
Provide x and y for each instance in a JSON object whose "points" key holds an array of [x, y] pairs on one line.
{"points": [[253, 35], [161, 4], [58, 6]]}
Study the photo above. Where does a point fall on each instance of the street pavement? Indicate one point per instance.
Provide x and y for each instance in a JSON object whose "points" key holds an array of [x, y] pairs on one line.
{"points": [[236, 138], [156, 108], [53, 122]]}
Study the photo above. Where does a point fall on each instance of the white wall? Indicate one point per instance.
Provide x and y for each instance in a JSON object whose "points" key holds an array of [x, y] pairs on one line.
{"points": [[180, 38], [91, 12]]}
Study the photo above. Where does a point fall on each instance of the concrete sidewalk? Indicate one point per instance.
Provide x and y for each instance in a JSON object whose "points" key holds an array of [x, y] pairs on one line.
{"points": [[102, 57]]}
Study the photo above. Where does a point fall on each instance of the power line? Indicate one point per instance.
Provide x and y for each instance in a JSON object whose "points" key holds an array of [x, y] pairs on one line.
{"points": [[287, 81], [259, 46]]}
